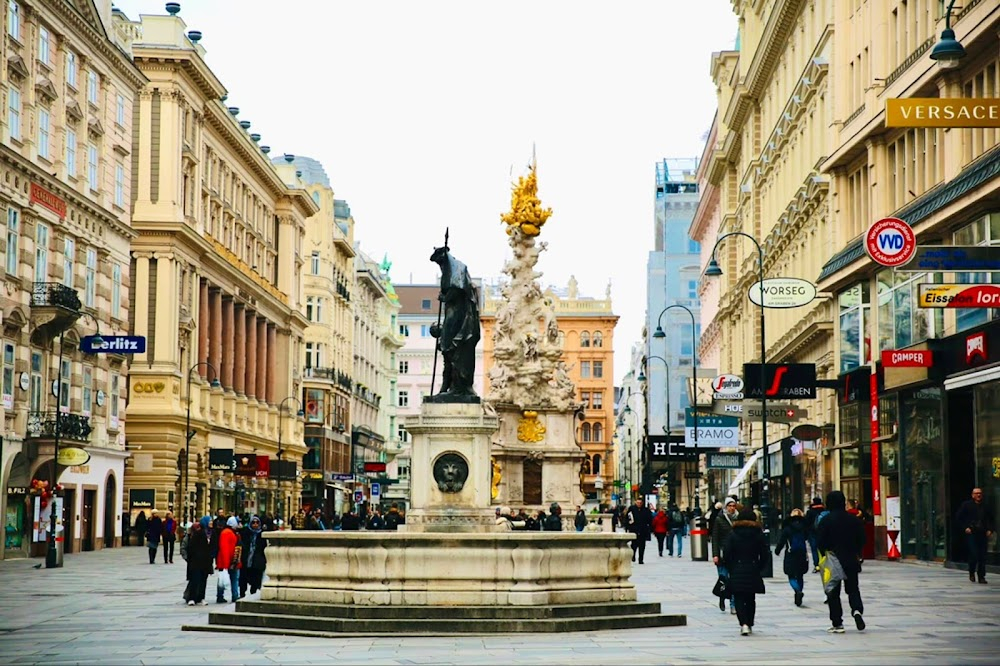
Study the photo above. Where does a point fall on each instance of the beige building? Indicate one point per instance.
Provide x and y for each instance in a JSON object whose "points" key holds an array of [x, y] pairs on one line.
{"points": [[217, 294], [68, 88]]}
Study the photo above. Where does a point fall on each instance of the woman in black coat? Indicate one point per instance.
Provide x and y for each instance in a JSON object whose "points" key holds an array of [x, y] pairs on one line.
{"points": [[793, 541], [745, 554], [252, 557], [199, 561]]}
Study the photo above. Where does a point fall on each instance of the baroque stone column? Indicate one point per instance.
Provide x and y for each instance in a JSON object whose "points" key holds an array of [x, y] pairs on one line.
{"points": [[251, 353], [240, 357], [215, 347], [204, 319], [272, 359], [262, 359], [227, 343]]}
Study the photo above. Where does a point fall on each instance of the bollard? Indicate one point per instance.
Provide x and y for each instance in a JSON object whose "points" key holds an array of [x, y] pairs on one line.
{"points": [[699, 539]]}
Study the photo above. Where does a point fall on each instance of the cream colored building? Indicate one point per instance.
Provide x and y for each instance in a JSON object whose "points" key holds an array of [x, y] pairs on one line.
{"points": [[217, 294], [68, 88]]}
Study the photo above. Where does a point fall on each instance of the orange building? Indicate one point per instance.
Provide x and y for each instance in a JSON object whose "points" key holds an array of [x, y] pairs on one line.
{"points": [[586, 327]]}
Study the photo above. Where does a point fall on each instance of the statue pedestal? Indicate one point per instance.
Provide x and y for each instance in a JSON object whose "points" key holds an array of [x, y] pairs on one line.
{"points": [[539, 459], [450, 469]]}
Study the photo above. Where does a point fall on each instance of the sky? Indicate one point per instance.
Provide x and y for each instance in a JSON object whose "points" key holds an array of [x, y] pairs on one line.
{"points": [[424, 112]]}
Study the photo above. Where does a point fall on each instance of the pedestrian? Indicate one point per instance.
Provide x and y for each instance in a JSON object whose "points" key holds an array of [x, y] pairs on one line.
{"points": [[720, 532], [843, 536], [394, 519], [553, 522], [975, 519], [677, 525], [375, 521], [615, 518], [350, 522], [639, 521], [812, 515], [712, 515], [793, 542], [227, 562], [530, 522], [169, 538], [660, 529], [745, 554], [580, 522], [199, 560], [154, 531], [540, 520], [758, 514], [252, 558]]}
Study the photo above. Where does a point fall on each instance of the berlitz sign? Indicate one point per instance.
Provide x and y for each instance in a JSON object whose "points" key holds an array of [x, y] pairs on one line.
{"points": [[910, 358], [113, 344], [783, 293]]}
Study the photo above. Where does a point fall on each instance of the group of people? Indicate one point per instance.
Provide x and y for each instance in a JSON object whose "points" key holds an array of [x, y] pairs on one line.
{"points": [[350, 520], [235, 552], [537, 521], [156, 530], [668, 525]]}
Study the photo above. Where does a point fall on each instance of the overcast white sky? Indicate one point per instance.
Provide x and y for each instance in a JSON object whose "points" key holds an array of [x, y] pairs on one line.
{"points": [[420, 109]]}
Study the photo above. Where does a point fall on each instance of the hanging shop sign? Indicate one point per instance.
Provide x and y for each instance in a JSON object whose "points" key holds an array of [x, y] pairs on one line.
{"points": [[246, 464], [221, 460], [954, 259], [374, 466], [907, 358], [942, 112], [263, 469], [717, 460], [754, 411], [141, 498], [668, 448], [807, 432], [890, 242], [782, 293], [71, 456], [113, 344], [714, 431], [727, 387], [959, 296], [782, 381]]}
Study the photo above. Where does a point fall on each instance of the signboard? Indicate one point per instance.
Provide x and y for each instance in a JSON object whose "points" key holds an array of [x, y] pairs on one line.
{"points": [[727, 387], [716, 460], [807, 432], [908, 358], [50, 200], [72, 456], [890, 242], [781, 381], [374, 467], [777, 412], [376, 492], [141, 498], [246, 464], [954, 259], [706, 419], [263, 467], [714, 431], [876, 486], [942, 112], [17, 490], [221, 460], [783, 293], [342, 477], [667, 448], [113, 344], [958, 296]]}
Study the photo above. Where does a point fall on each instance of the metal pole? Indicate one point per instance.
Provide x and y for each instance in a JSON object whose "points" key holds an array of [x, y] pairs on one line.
{"points": [[765, 494], [437, 340], [187, 457], [694, 379], [51, 558], [281, 495]]}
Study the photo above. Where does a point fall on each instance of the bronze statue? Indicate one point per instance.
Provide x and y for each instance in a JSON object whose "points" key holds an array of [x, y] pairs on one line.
{"points": [[458, 334]]}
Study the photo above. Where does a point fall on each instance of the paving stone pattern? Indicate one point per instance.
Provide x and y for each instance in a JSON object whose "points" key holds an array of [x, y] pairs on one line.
{"points": [[112, 607]]}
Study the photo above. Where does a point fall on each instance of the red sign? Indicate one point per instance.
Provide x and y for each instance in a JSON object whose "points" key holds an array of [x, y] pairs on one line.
{"points": [[876, 478], [890, 242], [912, 358], [975, 349], [43, 197], [374, 466], [263, 467]]}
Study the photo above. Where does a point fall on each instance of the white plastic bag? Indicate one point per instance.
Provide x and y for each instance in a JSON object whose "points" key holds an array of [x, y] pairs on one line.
{"points": [[222, 583]]}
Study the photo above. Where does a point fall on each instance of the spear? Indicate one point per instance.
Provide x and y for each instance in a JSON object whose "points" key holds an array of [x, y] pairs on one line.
{"points": [[437, 341]]}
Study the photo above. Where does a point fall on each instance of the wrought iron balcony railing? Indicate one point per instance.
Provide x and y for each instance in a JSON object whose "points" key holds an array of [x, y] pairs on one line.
{"points": [[71, 426], [322, 373], [54, 294]]}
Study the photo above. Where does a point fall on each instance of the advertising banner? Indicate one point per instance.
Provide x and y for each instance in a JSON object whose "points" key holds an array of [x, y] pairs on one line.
{"points": [[954, 259], [942, 112], [221, 460], [959, 296], [781, 381]]}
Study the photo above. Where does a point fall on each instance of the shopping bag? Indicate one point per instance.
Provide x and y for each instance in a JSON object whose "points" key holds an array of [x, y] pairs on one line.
{"points": [[831, 572], [222, 583], [721, 588]]}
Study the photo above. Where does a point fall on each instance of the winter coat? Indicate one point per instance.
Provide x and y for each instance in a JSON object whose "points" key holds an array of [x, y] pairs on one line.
{"points": [[793, 541], [841, 533], [350, 523], [812, 515], [744, 554], [553, 523], [639, 521], [660, 523], [393, 519], [580, 521], [976, 517], [720, 532], [170, 530], [154, 529], [199, 556], [225, 559], [259, 558]]}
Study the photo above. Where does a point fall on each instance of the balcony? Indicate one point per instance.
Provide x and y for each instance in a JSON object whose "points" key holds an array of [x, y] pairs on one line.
{"points": [[329, 374], [54, 308], [74, 427]]}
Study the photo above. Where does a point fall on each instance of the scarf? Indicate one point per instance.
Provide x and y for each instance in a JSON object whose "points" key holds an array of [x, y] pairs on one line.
{"points": [[254, 535]]}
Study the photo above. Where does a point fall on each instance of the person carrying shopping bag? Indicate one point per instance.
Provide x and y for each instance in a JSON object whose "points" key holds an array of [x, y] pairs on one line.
{"points": [[227, 562]]}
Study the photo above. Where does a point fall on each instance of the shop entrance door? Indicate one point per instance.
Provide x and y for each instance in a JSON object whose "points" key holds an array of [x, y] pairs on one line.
{"points": [[69, 514], [87, 524], [928, 535]]}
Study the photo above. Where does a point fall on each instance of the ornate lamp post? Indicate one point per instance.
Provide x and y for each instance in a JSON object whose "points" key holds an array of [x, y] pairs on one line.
{"points": [[281, 417], [189, 435]]}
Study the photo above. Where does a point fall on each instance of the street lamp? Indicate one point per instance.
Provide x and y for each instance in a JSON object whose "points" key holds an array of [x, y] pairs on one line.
{"points": [[713, 270], [189, 435], [281, 417], [948, 51]]}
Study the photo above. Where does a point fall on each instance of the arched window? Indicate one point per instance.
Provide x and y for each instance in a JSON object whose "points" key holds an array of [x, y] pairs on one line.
{"points": [[598, 433], [585, 432], [597, 463], [584, 339], [598, 339]]}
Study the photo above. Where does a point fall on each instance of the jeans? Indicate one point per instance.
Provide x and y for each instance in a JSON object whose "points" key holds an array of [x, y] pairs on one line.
{"points": [[234, 585], [976, 545], [679, 533], [723, 571], [814, 550], [853, 598], [797, 582], [168, 551], [659, 541], [746, 607]]}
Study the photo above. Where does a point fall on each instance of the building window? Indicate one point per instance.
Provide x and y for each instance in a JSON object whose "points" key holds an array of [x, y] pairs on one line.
{"points": [[69, 261], [113, 401], [88, 390], [116, 291], [686, 341], [598, 432], [425, 304], [597, 400], [43, 45], [8, 375], [901, 322], [404, 367], [314, 267], [584, 369], [585, 399], [855, 324], [120, 110], [41, 253], [14, 113], [119, 184], [71, 153], [425, 331], [35, 397], [92, 87], [693, 289], [403, 399], [90, 287], [71, 68], [585, 432], [584, 339], [984, 231], [597, 463], [65, 384], [13, 19], [43, 133], [13, 240], [598, 369], [314, 355], [598, 339], [404, 330], [92, 174], [693, 247], [402, 435]]}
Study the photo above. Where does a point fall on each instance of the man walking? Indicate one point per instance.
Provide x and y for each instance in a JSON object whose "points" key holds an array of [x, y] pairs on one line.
{"points": [[720, 532], [843, 535], [677, 529], [639, 521], [812, 515], [580, 521], [975, 520]]}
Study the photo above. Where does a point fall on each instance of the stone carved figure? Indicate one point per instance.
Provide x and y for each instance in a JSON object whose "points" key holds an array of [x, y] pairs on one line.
{"points": [[458, 333], [451, 471]]}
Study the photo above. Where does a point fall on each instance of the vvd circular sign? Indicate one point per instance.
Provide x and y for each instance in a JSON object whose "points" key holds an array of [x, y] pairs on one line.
{"points": [[890, 242]]}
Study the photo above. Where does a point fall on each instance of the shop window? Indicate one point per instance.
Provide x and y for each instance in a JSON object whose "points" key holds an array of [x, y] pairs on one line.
{"points": [[855, 324], [984, 231], [901, 322]]}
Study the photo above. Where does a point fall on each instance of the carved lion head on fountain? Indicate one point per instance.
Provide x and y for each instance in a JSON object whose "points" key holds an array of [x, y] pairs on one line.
{"points": [[451, 472]]}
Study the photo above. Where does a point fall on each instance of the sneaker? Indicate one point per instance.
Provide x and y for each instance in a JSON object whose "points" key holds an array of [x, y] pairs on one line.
{"points": [[190, 603], [732, 611], [202, 603], [859, 621], [835, 630], [744, 630], [220, 601]]}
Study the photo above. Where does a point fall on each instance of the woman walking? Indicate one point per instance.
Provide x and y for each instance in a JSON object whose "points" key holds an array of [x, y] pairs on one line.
{"points": [[793, 541], [199, 561], [154, 530], [660, 528], [744, 554], [169, 538], [253, 559]]}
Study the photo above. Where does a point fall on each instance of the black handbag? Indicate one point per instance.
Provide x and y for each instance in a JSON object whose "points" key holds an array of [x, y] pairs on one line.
{"points": [[721, 588]]}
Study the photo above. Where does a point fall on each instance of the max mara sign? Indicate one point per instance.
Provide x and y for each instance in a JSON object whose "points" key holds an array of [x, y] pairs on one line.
{"points": [[938, 112]]}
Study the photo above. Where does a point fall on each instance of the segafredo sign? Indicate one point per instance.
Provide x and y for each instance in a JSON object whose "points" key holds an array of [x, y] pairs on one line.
{"points": [[782, 293], [727, 387]]}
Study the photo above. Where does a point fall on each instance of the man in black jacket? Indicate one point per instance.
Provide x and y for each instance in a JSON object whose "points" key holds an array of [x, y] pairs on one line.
{"points": [[975, 520], [812, 514], [843, 535], [639, 521]]}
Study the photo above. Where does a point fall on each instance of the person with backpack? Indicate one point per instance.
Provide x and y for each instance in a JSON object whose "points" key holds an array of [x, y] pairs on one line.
{"points": [[812, 514], [677, 529], [580, 521], [793, 542], [393, 519]]}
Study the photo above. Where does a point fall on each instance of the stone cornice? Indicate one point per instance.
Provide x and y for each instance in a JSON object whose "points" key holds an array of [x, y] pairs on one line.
{"points": [[113, 56], [244, 147], [814, 324], [184, 60]]}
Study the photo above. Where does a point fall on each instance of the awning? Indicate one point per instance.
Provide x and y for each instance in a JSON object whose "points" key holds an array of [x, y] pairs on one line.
{"points": [[751, 461], [972, 377]]}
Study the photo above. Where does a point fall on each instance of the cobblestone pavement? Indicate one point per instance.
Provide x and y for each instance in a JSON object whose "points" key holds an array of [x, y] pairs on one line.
{"points": [[112, 607]]}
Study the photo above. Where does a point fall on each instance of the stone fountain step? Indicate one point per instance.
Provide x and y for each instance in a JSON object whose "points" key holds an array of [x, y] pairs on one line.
{"points": [[445, 612]]}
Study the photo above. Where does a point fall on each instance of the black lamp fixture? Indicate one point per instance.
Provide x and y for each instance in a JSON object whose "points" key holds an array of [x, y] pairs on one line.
{"points": [[713, 269], [194, 36], [641, 377], [658, 333], [948, 51], [173, 8], [224, 98], [298, 174]]}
